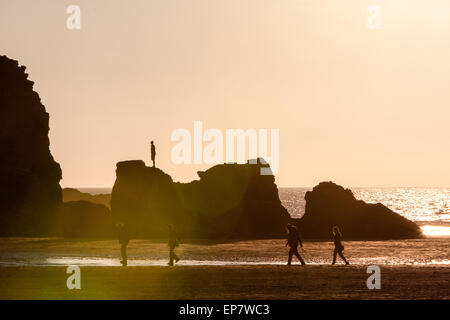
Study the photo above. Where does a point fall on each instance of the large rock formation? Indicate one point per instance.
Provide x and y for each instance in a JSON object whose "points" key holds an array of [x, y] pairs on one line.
{"points": [[229, 201], [84, 219], [29, 177], [70, 194], [329, 204]]}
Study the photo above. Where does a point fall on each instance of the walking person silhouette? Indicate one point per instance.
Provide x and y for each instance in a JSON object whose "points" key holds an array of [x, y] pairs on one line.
{"points": [[173, 243], [153, 152], [293, 241], [338, 247], [124, 239]]}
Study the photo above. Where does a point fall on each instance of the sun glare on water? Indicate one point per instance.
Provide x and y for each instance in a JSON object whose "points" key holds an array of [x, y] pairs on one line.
{"points": [[435, 231]]}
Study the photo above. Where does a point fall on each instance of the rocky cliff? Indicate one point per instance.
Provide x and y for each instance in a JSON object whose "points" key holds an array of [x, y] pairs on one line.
{"points": [[329, 204], [29, 188], [229, 201]]}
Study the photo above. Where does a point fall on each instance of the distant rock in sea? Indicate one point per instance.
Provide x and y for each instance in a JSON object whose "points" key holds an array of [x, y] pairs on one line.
{"points": [[329, 204], [229, 201], [29, 189], [70, 194]]}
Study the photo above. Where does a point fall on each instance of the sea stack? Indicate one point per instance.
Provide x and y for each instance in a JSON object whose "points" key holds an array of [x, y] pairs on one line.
{"points": [[329, 204], [29, 190], [229, 201]]}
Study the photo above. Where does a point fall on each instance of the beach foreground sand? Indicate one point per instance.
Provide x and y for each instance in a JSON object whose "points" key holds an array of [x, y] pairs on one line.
{"points": [[35, 268], [226, 282]]}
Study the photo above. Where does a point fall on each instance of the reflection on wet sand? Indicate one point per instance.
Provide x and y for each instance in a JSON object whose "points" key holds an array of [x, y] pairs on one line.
{"points": [[57, 252]]}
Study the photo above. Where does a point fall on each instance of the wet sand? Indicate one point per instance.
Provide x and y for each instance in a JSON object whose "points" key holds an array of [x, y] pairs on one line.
{"points": [[226, 282], [54, 251]]}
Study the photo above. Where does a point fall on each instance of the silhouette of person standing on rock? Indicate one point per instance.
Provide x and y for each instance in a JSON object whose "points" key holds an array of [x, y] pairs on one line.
{"points": [[338, 247], [293, 241], [124, 239], [173, 243], [153, 153]]}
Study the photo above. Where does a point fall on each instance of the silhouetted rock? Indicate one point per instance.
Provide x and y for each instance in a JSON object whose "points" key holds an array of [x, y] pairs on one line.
{"points": [[229, 201], [29, 188], [329, 204], [84, 219], [70, 194]]}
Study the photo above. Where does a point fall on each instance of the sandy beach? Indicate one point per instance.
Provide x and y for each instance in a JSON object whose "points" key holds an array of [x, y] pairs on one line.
{"points": [[33, 268], [226, 282]]}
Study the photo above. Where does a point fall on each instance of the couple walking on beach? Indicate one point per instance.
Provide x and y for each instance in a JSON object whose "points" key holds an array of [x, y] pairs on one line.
{"points": [[124, 240], [294, 240]]}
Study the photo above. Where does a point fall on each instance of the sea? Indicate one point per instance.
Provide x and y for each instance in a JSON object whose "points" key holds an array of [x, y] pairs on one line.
{"points": [[428, 207]]}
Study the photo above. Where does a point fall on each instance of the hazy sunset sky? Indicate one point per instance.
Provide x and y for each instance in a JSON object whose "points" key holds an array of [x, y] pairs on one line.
{"points": [[355, 106]]}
